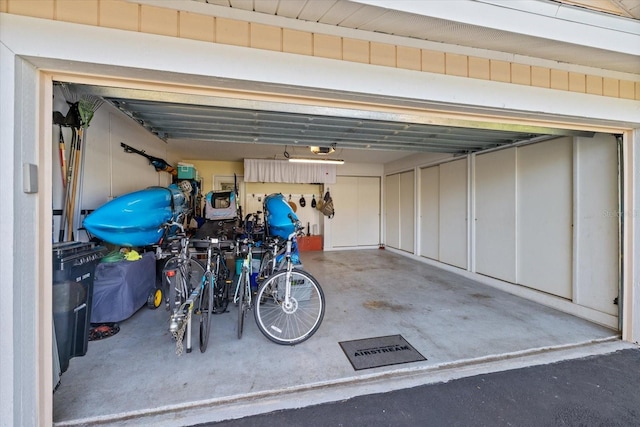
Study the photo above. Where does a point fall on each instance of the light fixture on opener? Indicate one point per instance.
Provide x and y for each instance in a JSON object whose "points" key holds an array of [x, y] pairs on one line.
{"points": [[322, 151], [321, 161]]}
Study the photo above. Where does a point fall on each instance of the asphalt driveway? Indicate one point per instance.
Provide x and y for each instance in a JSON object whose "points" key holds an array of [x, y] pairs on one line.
{"points": [[599, 390]]}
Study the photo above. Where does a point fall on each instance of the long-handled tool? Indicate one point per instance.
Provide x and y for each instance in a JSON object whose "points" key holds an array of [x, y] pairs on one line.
{"points": [[63, 162], [81, 111], [159, 164], [74, 185], [68, 187]]}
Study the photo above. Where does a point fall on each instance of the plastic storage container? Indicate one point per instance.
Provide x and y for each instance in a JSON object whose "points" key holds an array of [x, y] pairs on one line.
{"points": [[186, 171], [74, 265]]}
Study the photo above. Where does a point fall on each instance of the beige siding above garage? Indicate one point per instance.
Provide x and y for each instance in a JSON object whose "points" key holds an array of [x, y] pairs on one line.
{"points": [[124, 15]]}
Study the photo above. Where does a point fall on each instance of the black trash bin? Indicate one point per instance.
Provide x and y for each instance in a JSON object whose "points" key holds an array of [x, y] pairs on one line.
{"points": [[74, 264]]}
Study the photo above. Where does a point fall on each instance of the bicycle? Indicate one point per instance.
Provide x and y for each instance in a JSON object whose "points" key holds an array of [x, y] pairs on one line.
{"points": [[242, 295], [213, 298], [290, 303], [192, 289], [272, 258]]}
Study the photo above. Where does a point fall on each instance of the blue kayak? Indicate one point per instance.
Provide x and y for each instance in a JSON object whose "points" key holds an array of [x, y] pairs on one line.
{"points": [[137, 218]]}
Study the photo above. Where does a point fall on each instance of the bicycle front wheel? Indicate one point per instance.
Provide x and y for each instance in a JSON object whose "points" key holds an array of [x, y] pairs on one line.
{"points": [[206, 309], [291, 322]]}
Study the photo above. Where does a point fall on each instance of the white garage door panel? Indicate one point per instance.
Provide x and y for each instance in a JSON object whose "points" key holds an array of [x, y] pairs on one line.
{"points": [[392, 210], [429, 211], [368, 218], [544, 250], [597, 223], [496, 214], [407, 211], [343, 230], [453, 213]]}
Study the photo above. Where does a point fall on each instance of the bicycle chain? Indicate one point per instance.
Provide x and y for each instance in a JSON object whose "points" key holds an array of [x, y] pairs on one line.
{"points": [[179, 334]]}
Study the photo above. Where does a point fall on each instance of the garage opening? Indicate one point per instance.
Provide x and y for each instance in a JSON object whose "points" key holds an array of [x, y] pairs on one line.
{"points": [[532, 211]]}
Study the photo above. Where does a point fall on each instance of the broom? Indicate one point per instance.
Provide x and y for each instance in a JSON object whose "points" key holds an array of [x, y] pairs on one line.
{"points": [[82, 108]]}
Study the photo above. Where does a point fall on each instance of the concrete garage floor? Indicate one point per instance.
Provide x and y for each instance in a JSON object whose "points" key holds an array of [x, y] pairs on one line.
{"points": [[462, 327]]}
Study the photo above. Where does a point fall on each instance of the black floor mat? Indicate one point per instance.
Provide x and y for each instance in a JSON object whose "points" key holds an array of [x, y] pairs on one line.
{"points": [[380, 351]]}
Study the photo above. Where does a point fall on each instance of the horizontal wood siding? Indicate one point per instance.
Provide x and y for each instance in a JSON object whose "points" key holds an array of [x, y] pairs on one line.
{"points": [[123, 15]]}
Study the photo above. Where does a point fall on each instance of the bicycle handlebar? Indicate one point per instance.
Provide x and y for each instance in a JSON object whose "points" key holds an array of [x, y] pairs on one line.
{"points": [[174, 224]]}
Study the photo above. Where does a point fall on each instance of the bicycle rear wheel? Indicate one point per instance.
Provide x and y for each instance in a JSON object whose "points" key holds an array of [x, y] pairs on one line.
{"points": [[179, 273], [242, 309], [221, 287], [206, 309], [266, 266], [300, 319]]}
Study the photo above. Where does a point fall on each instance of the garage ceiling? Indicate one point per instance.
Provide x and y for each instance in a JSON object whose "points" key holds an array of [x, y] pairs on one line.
{"points": [[211, 128], [171, 121]]}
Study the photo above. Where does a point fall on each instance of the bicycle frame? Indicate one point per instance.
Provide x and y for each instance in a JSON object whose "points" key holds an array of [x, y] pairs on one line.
{"points": [[289, 267], [245, 274], [242, 295]]}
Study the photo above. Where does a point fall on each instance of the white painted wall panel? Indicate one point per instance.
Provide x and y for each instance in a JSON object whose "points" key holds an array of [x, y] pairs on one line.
{"points": [[392, 211], [453, 213], [407, 211], [368, 219], [596, 225], [343, 230], [495, 214], [544, 244], [430, 212], [358, 221]]}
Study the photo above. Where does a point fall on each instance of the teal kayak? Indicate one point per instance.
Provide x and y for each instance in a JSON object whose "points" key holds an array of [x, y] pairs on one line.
{"points": [[137, 218]]}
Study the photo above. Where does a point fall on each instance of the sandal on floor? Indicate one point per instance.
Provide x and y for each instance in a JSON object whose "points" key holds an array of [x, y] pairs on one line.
{"points": [[104, 330]]}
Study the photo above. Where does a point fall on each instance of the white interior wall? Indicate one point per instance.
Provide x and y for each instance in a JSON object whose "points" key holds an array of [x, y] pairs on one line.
{"points": [[545, 217], [369, 214], [453, 213], [495, 214], [357, 219], [429, 201], [400, 211], [407, 211], [109, 171], [597, 213], [543, 212], [344, 232], [392, 210]]}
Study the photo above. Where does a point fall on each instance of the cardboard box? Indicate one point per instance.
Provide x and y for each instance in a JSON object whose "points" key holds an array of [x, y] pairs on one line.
{"points": [[310, 243]]}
